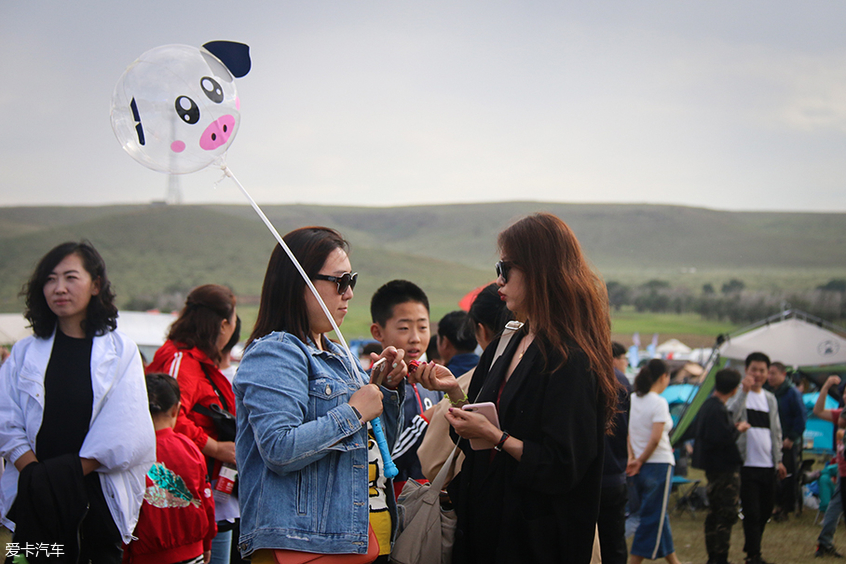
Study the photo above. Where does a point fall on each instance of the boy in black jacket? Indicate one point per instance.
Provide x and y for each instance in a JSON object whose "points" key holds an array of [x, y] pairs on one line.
{"points": [[716, 452]]}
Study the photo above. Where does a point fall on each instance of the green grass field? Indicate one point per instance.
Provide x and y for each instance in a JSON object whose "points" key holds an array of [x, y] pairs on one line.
{"points": [[789, 542], [159, 251], [689, 328]]}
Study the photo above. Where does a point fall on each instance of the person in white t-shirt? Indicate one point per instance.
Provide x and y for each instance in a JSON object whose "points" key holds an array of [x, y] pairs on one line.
{"points": [[760, 448], [651, 463]]}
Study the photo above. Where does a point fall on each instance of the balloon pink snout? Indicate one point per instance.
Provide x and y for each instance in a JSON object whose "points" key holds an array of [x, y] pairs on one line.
{"points": [[217, 133]]}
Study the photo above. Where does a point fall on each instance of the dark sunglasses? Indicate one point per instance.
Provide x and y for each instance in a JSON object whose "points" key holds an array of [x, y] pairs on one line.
{"points": [[503, 267], [347, 280]]}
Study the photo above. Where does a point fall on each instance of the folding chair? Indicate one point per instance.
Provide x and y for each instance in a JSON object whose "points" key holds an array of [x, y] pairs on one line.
{"points": [[686, 498]]}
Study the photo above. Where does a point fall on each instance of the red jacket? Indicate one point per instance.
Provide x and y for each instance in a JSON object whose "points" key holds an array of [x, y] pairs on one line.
{"points": [[172, 528], [190, 367]]}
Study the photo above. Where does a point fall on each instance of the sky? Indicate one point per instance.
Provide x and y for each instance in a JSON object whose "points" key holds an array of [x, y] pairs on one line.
{"points": [[718, 104]]}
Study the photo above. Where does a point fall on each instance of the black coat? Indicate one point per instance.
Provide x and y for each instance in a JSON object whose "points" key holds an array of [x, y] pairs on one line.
{"points": [[715, 448], [543, 508]]}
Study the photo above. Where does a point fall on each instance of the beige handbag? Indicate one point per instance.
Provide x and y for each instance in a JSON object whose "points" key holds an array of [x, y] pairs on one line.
{"points": [[426, 531]]}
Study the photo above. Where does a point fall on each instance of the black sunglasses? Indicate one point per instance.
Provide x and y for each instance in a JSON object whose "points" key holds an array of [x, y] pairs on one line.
{"points": [[347, 280], [503, 267]]}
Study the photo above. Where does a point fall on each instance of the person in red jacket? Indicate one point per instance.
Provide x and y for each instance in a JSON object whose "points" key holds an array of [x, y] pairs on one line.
{"points": [[191, 355], [176, 524]]}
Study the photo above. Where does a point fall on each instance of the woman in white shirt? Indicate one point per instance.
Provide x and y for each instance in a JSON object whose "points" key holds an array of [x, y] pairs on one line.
{"points": [[75, 425], [651, 463]]}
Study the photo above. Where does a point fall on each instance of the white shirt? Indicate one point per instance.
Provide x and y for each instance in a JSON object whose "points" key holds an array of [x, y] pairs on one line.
{"points": [[759, 439], [646, 410], [121, 435]]}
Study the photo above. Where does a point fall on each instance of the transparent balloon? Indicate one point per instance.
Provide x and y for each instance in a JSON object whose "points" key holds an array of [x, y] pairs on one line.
{"points": [[176, 109]]}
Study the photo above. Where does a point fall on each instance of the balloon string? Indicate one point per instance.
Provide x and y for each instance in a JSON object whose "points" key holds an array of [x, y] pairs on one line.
{"points": [[281, 242]]}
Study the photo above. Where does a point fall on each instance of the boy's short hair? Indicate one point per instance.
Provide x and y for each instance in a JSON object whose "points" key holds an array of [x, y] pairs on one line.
{"points": [[458, 328], [757, 357], [617, 350], [392, 294], [726, 380]]}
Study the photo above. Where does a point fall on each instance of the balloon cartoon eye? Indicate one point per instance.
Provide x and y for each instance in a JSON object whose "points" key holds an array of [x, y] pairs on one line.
{"points": [[187, 110], [212, 89]]}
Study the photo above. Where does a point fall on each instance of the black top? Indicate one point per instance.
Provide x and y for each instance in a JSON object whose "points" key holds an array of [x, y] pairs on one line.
{"points": [[68, 398], [715, 449], [544, 508], [616, 444]]}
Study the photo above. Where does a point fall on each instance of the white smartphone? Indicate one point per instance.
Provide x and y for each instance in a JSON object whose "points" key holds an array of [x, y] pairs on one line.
{"points": [[488, 409]]}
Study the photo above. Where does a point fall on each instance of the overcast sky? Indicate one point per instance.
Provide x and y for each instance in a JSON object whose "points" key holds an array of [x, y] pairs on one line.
{"points": [[721, 104]]}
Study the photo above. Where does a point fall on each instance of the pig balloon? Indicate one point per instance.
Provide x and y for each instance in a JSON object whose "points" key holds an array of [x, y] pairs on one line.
{"points": [[176, 108]]}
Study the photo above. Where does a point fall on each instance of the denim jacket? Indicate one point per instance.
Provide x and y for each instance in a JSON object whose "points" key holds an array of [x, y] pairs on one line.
{"points": [[301, 451]]}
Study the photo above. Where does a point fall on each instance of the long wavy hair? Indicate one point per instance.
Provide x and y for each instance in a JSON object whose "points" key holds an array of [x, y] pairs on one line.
{"points": [[198, 324], [282, 306], [101, 313], [566, 302]]}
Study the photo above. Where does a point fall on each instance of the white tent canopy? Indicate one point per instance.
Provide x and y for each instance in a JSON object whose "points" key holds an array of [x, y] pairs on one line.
{"points": [[672, 346], [13, 328], [792, 340], [146, 329]]}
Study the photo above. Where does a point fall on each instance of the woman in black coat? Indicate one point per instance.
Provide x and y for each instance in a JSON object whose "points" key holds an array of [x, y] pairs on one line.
{"points": [[534, 497]]}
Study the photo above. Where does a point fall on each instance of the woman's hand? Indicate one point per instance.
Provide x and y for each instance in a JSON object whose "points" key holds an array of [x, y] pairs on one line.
{"points": [[633, 467], [437, 378], [471, 425], [393, 362], [223, 451], [368, 401]]}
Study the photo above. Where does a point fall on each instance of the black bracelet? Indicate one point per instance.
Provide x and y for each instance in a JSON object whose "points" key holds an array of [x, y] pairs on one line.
{"points": [[357, 413], [501, 442]]}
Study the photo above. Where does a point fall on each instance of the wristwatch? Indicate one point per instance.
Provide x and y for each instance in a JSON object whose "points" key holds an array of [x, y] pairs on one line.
{"points": [[501, 442]]}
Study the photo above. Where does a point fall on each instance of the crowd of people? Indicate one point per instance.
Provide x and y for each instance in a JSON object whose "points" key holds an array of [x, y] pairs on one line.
{"points": [[291, 460]]}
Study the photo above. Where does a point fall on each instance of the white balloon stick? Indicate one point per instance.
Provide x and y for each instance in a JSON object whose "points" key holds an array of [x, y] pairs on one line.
{"points": [[281, 241]]}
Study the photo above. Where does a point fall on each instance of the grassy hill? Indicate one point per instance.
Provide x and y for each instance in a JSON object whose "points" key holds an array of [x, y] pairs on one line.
{"points": [[448, 249]]}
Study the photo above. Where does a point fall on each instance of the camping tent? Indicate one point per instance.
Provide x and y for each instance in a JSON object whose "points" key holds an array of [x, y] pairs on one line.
{"points": [[672, 348], [792, 337], [795, 342], [13, 328]]}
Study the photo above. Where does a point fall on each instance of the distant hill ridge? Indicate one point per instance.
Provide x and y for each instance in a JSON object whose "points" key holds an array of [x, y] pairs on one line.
{"points": [[447, 248]]}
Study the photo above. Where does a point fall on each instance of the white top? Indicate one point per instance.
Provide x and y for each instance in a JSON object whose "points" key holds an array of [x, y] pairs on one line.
{"points": [[121, 435], [759, 439], [646, 410]]}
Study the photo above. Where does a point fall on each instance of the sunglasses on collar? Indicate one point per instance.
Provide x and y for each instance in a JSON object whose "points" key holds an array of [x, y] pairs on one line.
{"points": [[346, 280]]}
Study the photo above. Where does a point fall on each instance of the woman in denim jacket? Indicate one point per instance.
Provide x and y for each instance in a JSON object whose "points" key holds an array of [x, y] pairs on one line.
{"points": [[302, 410]]}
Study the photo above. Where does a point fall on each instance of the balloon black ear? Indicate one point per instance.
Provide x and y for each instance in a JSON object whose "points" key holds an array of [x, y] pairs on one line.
{"points": [[236, 56]]}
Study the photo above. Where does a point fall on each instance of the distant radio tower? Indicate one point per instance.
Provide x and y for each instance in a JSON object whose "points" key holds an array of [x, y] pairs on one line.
{"points": [[174, 190]]}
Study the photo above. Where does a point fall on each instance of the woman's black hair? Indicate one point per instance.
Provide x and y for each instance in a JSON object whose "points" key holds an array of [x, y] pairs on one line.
{"points": [[101, 314], [648, 375], [283, 306], [489, 309], [457, 326], [162, 392]]}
